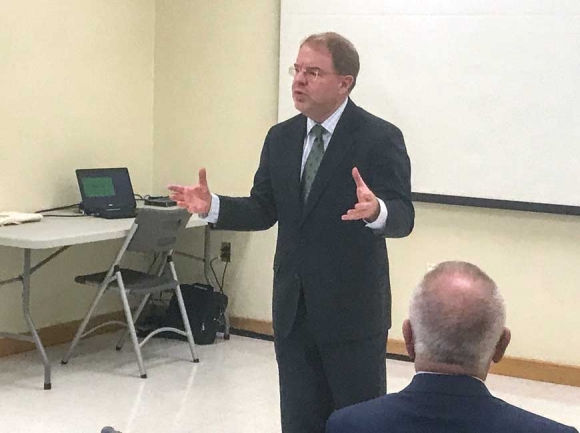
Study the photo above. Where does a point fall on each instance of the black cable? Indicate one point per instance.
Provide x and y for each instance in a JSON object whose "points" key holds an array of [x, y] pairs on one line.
{"points": [[223, 277], [57, 208], [66, 216], [220, 285], [214, 274]]}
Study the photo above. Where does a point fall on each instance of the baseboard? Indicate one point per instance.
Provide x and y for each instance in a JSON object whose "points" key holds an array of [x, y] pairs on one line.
{"points": [[59, 334], [510, 366], [252, 325]]}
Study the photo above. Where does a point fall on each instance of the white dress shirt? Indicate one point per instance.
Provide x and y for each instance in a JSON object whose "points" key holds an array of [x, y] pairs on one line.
{"points": [[329, 126]]}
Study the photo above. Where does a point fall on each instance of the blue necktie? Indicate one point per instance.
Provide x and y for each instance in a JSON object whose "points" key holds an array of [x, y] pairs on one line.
{"points": [[313, 161]]}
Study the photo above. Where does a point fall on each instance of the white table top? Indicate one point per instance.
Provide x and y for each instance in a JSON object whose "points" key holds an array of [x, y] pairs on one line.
{"points": [[55, 232]]}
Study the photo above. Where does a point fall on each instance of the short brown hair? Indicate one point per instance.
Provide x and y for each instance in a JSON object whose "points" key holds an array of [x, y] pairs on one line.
{"points": [[344, 55]]}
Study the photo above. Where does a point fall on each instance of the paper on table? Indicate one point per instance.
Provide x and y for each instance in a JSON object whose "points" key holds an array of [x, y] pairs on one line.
{"points": [[18, 218]]}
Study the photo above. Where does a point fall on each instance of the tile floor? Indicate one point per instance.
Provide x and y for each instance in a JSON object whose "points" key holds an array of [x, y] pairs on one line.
{"points": [[232, 390]]}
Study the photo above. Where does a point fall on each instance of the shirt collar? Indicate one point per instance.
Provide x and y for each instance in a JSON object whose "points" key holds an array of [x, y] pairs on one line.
{"points": [[444, 374], [330, 123]]}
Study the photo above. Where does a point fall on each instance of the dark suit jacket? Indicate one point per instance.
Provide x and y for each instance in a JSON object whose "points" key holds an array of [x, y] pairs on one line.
{"points": [[440, 404], [341, 265]]}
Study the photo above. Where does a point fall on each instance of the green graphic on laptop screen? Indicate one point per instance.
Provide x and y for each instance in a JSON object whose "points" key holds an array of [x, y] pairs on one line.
{"points": [[98, 187]]}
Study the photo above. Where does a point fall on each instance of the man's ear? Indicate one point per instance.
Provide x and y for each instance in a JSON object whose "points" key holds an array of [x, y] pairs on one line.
{"points": [[409, 341], [346, 83], [502, 344]]}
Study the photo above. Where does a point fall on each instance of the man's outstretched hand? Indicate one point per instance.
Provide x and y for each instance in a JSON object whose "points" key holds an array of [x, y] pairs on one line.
{"points": [[196, 198], [367, 208]]}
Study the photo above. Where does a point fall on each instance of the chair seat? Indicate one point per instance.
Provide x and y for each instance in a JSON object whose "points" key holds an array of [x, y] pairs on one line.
{"points": [[153, 231], [134, 281]]}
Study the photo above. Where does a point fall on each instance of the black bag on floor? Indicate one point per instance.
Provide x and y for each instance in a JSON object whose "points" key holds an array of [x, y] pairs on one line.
{"points": [[205, 310]]}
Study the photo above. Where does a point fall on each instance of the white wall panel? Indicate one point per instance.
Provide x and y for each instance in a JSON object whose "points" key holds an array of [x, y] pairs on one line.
{"points": [[486, 93]]}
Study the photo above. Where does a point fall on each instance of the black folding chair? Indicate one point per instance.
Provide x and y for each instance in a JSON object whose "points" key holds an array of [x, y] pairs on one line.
{"points": [[154, 231]]}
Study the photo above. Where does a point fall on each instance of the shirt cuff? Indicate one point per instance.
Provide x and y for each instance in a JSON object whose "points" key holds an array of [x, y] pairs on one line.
{"points": [[381, 222], [214, 210]]}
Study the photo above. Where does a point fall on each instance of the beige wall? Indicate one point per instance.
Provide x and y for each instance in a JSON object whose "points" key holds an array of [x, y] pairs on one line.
{"points": [[216, 84], [215, 97], [76, 79], [532, 257]]}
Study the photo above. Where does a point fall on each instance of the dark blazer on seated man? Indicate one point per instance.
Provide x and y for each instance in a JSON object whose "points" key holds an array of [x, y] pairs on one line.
{"points": [[435, 403], [456, 328]]}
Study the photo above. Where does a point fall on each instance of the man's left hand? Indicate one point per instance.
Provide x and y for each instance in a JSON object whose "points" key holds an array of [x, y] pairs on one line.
{"points": [[367, 208]]}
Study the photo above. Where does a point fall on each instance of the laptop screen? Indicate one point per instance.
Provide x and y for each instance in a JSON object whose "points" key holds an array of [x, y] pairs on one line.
{"points": [[105, 189]]}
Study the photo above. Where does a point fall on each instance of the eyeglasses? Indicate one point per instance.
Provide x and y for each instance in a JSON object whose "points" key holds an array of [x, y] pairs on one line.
{"points": [[311, 74]]}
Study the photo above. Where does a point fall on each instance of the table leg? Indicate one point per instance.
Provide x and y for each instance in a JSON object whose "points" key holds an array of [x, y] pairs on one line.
{"points": [[206, 270], [26, 313], [206, 258]]}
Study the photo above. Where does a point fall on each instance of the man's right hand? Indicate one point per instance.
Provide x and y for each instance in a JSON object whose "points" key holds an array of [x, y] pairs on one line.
{"points": [[196, 199]]}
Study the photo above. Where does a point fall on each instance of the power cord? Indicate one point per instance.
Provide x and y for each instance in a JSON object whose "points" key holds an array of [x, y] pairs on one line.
{"points": [[70, 206], [220, 284]]}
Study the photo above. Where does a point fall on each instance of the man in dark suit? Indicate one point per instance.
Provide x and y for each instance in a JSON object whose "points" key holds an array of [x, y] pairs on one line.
{"points": [[456, 328], [331, 302]]}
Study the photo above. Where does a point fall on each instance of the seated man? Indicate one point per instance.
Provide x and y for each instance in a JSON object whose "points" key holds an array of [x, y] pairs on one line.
{"points": [[456, 328]]}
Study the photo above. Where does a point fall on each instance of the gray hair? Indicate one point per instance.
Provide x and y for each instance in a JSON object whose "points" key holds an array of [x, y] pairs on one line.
{"points": [[457, 315], [344, 55]]}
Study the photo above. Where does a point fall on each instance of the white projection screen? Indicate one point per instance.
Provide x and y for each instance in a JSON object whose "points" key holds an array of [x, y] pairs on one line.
{"points": [[487, 93]]}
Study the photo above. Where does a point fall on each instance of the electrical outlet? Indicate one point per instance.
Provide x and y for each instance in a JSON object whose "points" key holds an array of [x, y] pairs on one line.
{"points": [[226, 252]]}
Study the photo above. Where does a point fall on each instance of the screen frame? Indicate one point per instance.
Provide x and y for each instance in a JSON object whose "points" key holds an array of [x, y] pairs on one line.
{"points": [[123, 198]]}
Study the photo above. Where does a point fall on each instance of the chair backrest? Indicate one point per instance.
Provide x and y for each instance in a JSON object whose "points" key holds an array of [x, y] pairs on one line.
{"points": [[157, 229]]}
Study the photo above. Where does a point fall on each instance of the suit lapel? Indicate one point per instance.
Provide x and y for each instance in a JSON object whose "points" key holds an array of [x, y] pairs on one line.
{"points": [[292, 157], [339, 145]]}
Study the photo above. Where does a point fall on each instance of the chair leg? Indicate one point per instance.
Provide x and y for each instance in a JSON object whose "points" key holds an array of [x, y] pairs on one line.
{"points": [[131, 325], [137, 314], [184, 317], [186, 324], [84, 323]]}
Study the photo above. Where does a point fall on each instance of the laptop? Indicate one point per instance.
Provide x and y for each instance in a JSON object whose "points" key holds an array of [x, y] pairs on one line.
{"points": [[106, 192]]}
